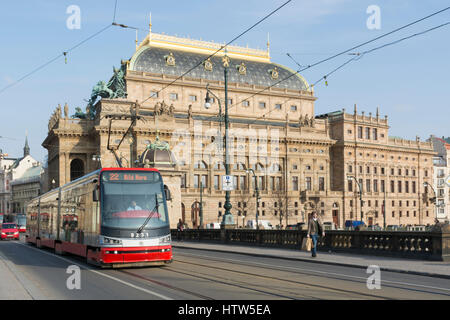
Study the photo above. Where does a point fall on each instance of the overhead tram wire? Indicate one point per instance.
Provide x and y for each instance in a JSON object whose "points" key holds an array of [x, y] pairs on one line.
{"points": [[362, 54], [218, 50], [339, 54], [63, 54], [358, 56]]}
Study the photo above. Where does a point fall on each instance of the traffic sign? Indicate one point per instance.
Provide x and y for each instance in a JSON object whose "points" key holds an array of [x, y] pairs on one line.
{"points": [[447, 181], [227, 183]]}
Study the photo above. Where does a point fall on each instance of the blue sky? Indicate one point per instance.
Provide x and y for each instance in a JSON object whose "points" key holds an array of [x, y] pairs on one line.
{"points": [[409, 81]]}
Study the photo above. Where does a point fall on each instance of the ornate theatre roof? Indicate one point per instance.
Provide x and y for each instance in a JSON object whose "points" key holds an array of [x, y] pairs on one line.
{"points": [[169, 55]]}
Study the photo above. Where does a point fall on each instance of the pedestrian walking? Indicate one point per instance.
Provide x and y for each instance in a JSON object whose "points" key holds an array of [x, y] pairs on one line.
{"points": [[315, 229], [180, 228]]}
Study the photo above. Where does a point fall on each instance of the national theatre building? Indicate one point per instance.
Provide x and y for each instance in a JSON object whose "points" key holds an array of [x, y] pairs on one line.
{"points": [[152, 112]]}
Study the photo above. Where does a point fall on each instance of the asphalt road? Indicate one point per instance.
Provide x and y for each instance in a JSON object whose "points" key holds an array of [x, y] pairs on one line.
{"points": [[202, 275]]}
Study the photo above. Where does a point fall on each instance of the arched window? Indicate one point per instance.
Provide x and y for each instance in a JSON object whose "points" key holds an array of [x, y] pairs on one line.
{"points": [[76, 169], [239, 166], [201, 165], [276, 167], [258, 167], [219, 165]]}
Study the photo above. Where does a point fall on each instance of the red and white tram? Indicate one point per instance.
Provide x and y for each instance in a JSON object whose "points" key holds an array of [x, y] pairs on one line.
{"points": [[113, 217]]}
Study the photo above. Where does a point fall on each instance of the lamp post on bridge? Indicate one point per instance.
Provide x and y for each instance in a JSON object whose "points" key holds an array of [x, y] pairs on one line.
{"points": [[349, 178], [227, 219]]}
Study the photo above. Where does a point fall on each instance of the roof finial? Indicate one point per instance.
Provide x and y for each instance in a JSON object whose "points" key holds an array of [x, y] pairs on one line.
{"points": [[150, 24], [356, 111], [378, 112], [26, 148]]}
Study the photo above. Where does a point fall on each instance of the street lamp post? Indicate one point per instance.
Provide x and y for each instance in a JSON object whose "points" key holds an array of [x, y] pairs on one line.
{"points": [[227, 217], [360, 193], [201, 205], [257, 195], [434, 200]]}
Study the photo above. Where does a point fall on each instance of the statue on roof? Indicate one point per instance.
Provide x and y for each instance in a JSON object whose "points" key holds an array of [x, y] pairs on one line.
{"points": [[78, 114], [115, 88]]}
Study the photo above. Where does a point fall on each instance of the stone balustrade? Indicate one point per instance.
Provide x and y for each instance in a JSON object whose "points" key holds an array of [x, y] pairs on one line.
{"points": [[415, 245]]}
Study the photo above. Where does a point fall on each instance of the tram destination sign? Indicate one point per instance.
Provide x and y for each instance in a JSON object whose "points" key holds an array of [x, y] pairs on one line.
{"points": [[129, 176]]}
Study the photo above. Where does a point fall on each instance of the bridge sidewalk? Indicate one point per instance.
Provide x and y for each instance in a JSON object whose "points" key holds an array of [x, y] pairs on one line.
{"points": [[419, 267]]}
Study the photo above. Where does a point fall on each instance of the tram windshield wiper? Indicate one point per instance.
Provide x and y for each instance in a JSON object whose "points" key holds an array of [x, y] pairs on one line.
{"points": [[150, 215]]}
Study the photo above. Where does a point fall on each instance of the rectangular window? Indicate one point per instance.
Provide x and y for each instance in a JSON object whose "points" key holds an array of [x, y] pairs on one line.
{"points": [[360, 132], [406, 186], [262, 105], [173, 96], [321, 184], [382, 170], [245, 103], [413, 187], [235, 182], [293, 108], [216, 182], [272, 183], [375, 185], [183, 180], [153, 94], [279, 185], [399, 187], [350, 169], [204, 181], [277, 106], [192, 98], [295, 183], [368, 188], [230, 102], [308, 183], [368, 133], [242, 184], [261, 183], [350, 185], [382, 188], [368, 170], [392, 186], [196, 181], [375, 134]]}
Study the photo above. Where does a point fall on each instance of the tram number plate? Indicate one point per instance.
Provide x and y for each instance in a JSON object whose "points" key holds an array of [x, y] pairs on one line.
{"points": [[139, 235]]}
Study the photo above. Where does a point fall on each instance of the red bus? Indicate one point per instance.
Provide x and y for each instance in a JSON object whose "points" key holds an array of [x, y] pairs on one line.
{"points": [[113, 217]]}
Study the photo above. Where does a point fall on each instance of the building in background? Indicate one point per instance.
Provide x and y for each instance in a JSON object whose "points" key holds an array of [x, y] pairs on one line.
{"points": [[11, 170], [301, 161], [25, 188], [441, 164]]}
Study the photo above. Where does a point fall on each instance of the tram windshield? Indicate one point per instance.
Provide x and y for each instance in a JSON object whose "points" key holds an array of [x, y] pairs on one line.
{"points": [[131, 199], [21, 220]]}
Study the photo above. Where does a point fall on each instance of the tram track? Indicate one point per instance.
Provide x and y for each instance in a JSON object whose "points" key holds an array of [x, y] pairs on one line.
{"points": [[389, 284], [307, 285]]}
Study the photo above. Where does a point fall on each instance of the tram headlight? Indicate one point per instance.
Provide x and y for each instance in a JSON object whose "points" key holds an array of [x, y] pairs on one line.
{"points": [[165, 240], [106, 240]]}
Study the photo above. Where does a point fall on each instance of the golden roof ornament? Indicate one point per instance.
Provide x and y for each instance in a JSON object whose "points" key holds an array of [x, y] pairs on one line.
{"points": [[170, 59], [242, 69], [274, 73], [208, 65]]}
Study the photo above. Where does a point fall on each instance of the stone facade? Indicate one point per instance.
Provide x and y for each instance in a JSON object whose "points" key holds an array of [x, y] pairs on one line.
{"points": [[300, 161], [441, 164]]}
